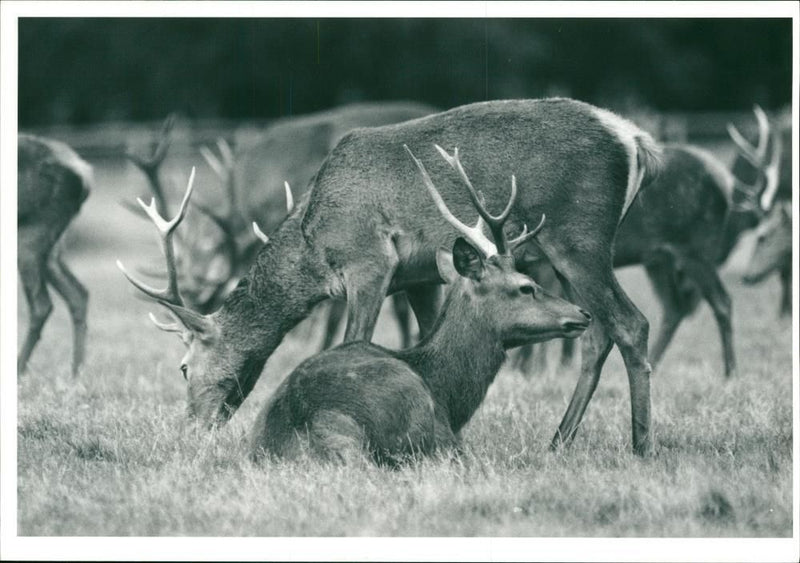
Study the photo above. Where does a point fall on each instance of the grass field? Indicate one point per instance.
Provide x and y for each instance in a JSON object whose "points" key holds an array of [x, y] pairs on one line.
{"points": [[111, 453]]}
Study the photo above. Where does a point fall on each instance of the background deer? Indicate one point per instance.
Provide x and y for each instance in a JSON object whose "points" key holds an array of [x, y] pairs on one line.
{"points": [[220, 247], [773, 253], [363, 233], [52, 184], [683, 226], [359, 396]]}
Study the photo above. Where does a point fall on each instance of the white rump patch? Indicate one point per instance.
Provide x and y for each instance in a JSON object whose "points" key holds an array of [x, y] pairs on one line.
{"points": [[626, 132]]}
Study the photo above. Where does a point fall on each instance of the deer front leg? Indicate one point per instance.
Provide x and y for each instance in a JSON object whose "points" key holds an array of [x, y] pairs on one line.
{"points": [[31, 270], [425, 301], [366, 285]]}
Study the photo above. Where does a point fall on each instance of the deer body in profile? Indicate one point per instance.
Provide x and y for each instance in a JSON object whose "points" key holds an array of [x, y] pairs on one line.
{"points": [[361, 397], [52, 184], [364, 232]]}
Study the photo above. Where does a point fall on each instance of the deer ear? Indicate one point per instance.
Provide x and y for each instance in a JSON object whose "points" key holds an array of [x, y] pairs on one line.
{"points": [[445, 267], [199, 325], [467, 259]]}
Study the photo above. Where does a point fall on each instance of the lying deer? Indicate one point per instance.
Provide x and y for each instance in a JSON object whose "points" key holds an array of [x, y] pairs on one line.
{"points": [[52, 184], [773, 253], [361, 397], [683, 226], [362, 233]]}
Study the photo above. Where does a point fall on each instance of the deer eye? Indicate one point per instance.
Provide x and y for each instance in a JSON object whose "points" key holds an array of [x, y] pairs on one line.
{"points": [[184, 370], [527, 290]]}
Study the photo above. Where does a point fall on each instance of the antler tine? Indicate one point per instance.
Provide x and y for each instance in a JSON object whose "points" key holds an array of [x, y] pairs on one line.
{"points": [[763, 132], [166, 327], [259, 233], [289, 197], [212, 161], [474, 234], [166, 229], [225, 151], [525, 236], [495, 222], [747, 150]]}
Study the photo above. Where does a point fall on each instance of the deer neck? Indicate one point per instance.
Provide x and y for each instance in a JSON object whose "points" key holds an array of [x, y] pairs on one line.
{"points": [[280, 289], [459, 359]]}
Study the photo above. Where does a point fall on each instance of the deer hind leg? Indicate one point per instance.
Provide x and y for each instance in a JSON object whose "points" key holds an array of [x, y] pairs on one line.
{"points": [[616, 317], [707, 280], [335, 436], [76, 296], [32, 273]]}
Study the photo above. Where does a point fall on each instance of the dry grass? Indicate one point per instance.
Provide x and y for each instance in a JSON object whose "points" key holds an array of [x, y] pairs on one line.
{"points": [[111, 453]]}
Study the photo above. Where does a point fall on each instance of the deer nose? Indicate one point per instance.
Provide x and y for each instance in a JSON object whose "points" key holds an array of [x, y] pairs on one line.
{"points": [[586, 314]]}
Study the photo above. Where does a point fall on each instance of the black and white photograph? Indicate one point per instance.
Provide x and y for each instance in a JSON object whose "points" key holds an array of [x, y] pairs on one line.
{"points": [[399, 281]]}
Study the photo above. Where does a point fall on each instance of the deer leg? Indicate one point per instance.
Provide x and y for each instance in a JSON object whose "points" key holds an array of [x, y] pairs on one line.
{"points": [[336, 313], [402, 313], [425, 301], [31, 269], [595, 346], [591, 276], [662, 278], [76, 297], [706, 278], [366, 285], [786, 290]]}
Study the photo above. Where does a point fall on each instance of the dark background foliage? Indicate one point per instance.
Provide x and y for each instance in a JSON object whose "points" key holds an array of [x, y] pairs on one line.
{"points": [[78, 71]]}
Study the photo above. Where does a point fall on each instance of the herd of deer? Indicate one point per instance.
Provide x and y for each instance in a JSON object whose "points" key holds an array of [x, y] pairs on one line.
{"points": [[384, 208]]}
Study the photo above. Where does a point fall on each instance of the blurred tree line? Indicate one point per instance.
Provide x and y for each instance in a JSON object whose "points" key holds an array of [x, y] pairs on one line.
{"points": [[85, 70]]}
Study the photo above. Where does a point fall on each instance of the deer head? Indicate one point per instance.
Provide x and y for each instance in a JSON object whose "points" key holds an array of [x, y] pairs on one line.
{"points": [[209, 366], [483, 271], [757, 167], [773, 247]]}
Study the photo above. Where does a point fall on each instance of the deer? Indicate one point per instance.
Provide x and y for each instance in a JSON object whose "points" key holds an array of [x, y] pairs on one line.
{"points": [[777, 191], [684, 225], [52, 184], [772, 252], [362, 398], [257, 183], [360, 233]]}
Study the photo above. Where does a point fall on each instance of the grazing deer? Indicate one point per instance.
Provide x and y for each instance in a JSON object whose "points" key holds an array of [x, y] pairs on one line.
{"points": [[360, 396], [362, 233], [773, 253], [683, 226], [52, 184]]}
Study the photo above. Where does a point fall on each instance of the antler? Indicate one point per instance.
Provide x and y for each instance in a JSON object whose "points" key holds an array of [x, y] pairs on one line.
{"points": [[755, 155], [501, 244], [166, 229], [150, 165]]}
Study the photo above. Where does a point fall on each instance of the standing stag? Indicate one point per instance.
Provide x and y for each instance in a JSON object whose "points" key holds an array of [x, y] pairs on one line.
{"points": [[52, 184], [683, 226], [364, 232], [361, 397]]}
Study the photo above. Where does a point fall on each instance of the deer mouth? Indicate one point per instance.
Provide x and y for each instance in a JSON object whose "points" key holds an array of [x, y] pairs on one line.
{"points": [[752, 279], [573, 329]]}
